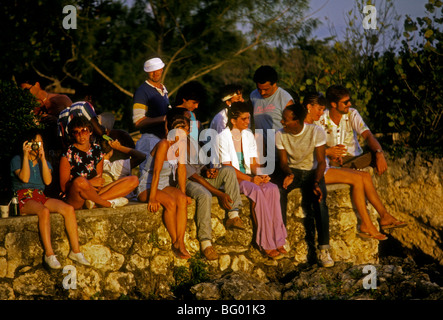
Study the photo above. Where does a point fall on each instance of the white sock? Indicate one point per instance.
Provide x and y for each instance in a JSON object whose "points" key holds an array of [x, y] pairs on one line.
{"points": [[232, 214], [204, 244]]}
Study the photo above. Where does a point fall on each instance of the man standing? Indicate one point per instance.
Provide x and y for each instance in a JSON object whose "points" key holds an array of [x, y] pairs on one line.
{"points": [[268, 100], [150, 106], [342, 124]]}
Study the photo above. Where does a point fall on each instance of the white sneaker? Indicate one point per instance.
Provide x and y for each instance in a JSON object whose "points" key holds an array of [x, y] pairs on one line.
{"points": [[325, 258], [89, 204], [79, 257], [118, 202], [52, 262]]}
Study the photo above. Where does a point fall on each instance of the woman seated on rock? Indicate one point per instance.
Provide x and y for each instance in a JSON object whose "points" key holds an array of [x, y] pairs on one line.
{"points": [[31, 172], [164, 169], [362, 187], [81, 168], [238, 148]]}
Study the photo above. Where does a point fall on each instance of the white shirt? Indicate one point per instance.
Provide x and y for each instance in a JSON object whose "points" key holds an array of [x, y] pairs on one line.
{"points": [[301, 147], [220, 120], [227, 151], [345, 132], [115, 170]]}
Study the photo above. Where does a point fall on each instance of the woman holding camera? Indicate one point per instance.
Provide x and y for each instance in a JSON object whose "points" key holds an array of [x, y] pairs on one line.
{"points": [[31, 172]]}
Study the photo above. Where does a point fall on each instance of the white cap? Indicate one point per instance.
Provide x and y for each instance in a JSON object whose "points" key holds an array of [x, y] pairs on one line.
{"points": [[153, 65]]}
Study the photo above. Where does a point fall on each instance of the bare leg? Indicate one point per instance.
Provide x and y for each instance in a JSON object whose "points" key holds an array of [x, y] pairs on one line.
{"points": [[374, 199], [120, 188], [44, 223], [174, 216], [68, 213], [355, 180], [80, 190]]}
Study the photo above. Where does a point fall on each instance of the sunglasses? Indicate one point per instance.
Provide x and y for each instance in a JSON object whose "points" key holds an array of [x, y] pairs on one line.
{"points": [[79, 132], [346, 102]]}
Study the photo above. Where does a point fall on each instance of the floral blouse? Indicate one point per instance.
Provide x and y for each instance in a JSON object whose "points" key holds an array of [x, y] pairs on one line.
{"points": [[84, 164]]}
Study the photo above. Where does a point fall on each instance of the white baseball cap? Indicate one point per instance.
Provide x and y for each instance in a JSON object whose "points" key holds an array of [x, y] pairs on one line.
{"points": [[153, 64]]}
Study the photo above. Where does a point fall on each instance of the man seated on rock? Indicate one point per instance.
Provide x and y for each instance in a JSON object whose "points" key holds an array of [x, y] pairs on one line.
{"points": [[301, 149]]}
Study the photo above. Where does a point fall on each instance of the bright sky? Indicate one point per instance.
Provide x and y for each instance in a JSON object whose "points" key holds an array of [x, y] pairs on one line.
{"points": [[334, 12]]}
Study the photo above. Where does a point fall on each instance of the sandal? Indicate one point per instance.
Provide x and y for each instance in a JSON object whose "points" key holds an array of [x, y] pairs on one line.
{"points": [[273, 254], [396, 224], [378, 236]]}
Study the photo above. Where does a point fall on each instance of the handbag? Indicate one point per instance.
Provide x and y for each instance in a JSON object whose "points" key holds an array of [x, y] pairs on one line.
{"points": [[359, 162]]}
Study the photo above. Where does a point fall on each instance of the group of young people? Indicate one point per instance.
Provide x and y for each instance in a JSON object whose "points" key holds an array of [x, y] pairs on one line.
{"points": [[264, 148]]}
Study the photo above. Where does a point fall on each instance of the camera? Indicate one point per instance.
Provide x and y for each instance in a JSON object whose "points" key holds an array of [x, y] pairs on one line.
{"points": [[34, 145]]}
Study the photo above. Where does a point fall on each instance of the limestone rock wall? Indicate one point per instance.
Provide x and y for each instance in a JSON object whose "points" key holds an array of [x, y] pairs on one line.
{"points": [[412, 190], [129, 249]]}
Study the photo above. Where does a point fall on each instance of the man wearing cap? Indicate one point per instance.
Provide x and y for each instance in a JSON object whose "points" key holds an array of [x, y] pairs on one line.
{"points": [[150, 105], [230, 93]]}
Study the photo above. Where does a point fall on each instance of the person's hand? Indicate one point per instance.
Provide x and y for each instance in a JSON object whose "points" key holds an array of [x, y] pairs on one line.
{"points": [[97, 181], [115, 144], [225, 201], [257, 180], [153, 205], [265, 178], [317, 191], [41, 151], [188, 200], [288, 180], [212, 173], [380, 163], [336, 153], [26, 148]]}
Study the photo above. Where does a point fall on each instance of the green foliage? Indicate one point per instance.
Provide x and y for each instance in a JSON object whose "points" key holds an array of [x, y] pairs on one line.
{"points": [[186, 277], [17, 117]]}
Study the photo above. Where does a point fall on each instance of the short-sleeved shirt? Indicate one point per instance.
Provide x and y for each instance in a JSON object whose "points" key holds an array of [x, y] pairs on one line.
{"points": [[220, 120], [80, 108], [35, 178], [268, 111], [83, 164], [351, 124], [150, 102], [301, 147]]}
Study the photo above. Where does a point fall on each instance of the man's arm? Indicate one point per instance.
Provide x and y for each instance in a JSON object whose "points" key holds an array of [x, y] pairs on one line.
{"points": [[283, 156], [374, 145], [224, 197], [139, 117]]}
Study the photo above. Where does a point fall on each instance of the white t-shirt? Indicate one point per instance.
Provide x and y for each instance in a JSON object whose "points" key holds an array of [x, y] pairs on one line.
{"points": [[301, 147], [345, 132]]}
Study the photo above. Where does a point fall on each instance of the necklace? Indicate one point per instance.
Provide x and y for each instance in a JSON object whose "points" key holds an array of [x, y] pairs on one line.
{"points": [[233, 138]]}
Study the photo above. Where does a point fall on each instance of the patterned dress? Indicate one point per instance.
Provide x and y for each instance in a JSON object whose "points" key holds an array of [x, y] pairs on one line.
{"points": [[84, 164]]}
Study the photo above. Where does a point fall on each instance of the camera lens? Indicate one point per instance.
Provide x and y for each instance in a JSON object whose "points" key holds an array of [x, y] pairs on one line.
{"points": [[35, 146]]}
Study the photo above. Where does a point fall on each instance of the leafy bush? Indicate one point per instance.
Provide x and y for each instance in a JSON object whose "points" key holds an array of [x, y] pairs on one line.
{"points": [[17, 117]]}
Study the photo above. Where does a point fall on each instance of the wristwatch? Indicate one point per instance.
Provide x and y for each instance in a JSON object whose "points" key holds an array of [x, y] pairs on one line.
{"points": [[379, 150]]}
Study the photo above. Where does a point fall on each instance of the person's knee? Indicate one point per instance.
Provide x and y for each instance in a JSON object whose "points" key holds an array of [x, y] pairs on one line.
{"points": [[44, 214], [80, 183], [181, 199], [67, 211], [170, 204], [133, 181]]}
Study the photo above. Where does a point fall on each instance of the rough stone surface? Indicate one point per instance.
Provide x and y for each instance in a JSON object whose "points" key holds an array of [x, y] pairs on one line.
{"points": [[129, 248]]}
